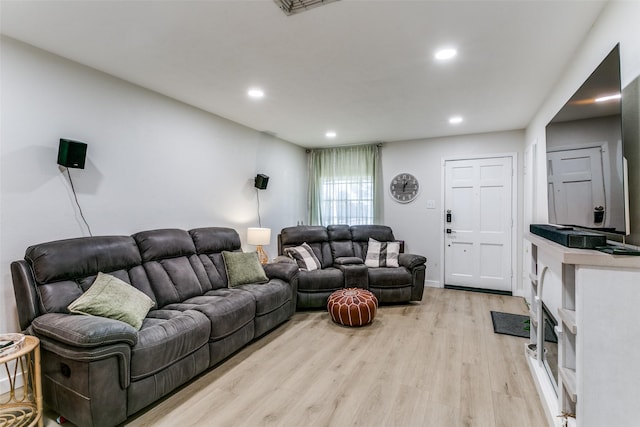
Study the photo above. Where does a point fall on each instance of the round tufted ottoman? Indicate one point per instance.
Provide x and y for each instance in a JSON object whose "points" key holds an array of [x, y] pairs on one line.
{"points": [[352, 306]]}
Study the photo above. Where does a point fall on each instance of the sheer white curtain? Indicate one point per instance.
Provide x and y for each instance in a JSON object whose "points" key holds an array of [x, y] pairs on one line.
{"points": [[344, 185]]}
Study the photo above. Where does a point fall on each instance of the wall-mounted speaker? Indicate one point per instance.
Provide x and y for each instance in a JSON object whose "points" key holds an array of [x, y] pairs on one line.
{"points": [[261, 181], [72, 154]]}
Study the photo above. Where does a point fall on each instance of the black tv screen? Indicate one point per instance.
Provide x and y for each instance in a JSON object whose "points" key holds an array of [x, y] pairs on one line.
{"points": [[585, 156]]}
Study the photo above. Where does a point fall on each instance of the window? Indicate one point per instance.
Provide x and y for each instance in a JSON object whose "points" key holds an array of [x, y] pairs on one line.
{"points": [[343, 185]]}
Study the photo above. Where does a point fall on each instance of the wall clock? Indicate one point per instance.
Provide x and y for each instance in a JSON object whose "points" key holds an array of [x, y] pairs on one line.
{"points": [[404, 188]]}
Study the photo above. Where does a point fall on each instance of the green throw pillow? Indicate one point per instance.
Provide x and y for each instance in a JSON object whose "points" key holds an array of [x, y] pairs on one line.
{"points": [[112, 298], [243, 268]]}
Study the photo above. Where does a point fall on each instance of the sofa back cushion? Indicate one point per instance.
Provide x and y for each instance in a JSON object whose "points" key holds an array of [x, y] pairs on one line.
{"points": [[315, 236], [209, 243], [360, 235], [175, 272], [340, 241], [64, 269]]}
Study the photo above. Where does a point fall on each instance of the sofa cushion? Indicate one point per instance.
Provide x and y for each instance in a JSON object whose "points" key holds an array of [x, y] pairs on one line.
{"points": [[382, 254], [81, 257], [166, 337], [360, 235], [315, 236], [389, 277], [164, 243], [326, 279], [112, 298], [211, 240], [228, 310], [304, 257], [268, 296], [243, 268], [176, 279], [340, 241]]}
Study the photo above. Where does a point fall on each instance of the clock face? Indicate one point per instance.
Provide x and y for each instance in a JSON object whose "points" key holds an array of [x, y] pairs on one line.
{"points": [[404, 188]]}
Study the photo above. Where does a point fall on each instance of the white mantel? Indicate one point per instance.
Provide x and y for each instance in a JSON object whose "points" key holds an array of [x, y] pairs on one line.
{"points": [[597, 304]]}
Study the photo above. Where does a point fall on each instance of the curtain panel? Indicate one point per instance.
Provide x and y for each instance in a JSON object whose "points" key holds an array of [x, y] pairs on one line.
{"points": [[345, 185]]}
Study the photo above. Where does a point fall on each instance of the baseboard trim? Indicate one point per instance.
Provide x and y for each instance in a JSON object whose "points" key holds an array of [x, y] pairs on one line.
{"points": [[482, 290], [432, 283], [5, 386]]}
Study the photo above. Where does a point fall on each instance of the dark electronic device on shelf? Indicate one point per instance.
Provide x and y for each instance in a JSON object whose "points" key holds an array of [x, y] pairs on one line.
{"points": [[568, 236], [618, 250]]}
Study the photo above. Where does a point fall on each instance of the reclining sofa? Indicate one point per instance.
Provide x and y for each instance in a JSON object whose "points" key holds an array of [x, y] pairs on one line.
{"points": [[97, 371], [342, 251]]}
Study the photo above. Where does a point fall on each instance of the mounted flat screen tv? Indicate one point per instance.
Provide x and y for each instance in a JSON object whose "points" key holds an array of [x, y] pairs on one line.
{"points": [[586, 169]]}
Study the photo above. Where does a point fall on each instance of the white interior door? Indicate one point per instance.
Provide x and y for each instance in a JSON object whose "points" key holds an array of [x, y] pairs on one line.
{"points": [[478, 238], [576, 187]]}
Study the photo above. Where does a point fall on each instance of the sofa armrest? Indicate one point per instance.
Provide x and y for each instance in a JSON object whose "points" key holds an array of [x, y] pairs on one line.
{"points": [[348, 260], [284, 259], [79, 330], [88, 355], [282, 270], [24, 289], [411, 261]]}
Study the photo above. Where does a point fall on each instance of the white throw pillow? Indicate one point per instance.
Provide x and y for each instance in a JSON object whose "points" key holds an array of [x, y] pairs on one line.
{"points": [[304, 257], [382, 254]]}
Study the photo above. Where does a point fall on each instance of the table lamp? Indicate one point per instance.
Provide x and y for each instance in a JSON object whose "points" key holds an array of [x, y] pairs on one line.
{"points": [[258, 237]]}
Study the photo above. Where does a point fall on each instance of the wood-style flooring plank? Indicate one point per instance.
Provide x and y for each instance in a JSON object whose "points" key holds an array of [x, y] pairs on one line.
{"points": [[434, 363]]}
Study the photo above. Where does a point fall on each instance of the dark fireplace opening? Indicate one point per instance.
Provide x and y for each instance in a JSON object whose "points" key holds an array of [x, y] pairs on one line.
{"points": [[550, 345]]}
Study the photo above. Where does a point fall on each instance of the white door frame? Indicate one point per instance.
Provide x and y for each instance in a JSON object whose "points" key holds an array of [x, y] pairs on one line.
{"points": [[514, 212]]}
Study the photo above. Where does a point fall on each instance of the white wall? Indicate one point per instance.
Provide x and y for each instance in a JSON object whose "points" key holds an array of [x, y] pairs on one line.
{"points": [[421, 228], [152, 162], [618, 23]]}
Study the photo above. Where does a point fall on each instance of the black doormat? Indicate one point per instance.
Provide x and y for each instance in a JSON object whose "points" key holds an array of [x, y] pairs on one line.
{"points": [[518, 326]]}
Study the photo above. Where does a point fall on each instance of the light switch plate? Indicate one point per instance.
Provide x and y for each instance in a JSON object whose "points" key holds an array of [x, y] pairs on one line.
{"points": [[431, 204]]}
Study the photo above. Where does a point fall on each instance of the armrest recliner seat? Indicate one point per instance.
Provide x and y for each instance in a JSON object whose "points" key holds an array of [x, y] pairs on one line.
{"points": [[98, 371], [342, 251]]}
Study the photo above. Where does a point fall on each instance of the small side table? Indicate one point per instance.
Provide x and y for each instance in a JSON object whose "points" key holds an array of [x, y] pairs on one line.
{"points": [[22, 406]]}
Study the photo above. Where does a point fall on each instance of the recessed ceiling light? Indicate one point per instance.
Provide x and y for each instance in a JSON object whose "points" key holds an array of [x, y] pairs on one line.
{"points": [[255, 93], [444, 54], [455, 120], [330, 134]]}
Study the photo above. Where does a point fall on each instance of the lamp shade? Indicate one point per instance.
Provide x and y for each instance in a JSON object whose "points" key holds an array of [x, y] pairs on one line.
{"points": [[258, 236]]}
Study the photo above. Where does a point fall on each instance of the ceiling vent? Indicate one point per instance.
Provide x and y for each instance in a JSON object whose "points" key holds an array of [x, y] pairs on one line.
{"points": [[290, 7]]}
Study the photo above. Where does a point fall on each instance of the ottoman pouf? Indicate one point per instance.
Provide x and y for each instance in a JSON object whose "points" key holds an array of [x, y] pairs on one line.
{"points": [[352, 306]]}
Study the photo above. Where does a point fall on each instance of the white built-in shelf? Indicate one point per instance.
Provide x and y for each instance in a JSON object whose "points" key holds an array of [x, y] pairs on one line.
{"points": [[569, 381], [589, 257], [597, 366], [568, 318], [532, 317]]}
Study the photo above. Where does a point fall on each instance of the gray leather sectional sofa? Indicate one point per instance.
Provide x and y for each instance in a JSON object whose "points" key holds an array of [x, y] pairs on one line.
{"points": [[342, 250], [98, 371]]}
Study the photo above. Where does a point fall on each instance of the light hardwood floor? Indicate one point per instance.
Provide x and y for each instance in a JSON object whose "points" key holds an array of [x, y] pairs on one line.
{"points": [[434, 363]]}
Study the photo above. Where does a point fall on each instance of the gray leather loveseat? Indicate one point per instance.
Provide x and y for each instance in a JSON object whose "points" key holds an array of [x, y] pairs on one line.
{"points": [[97, 371], [342, 251]]}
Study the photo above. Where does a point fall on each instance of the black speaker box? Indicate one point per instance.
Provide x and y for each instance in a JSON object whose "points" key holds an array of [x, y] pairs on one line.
{"points": [[569, 237], [261, 181], [72, 154]]}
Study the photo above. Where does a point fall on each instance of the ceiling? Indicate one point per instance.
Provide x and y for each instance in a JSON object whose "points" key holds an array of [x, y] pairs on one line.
{"points": [[362, 68]]}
